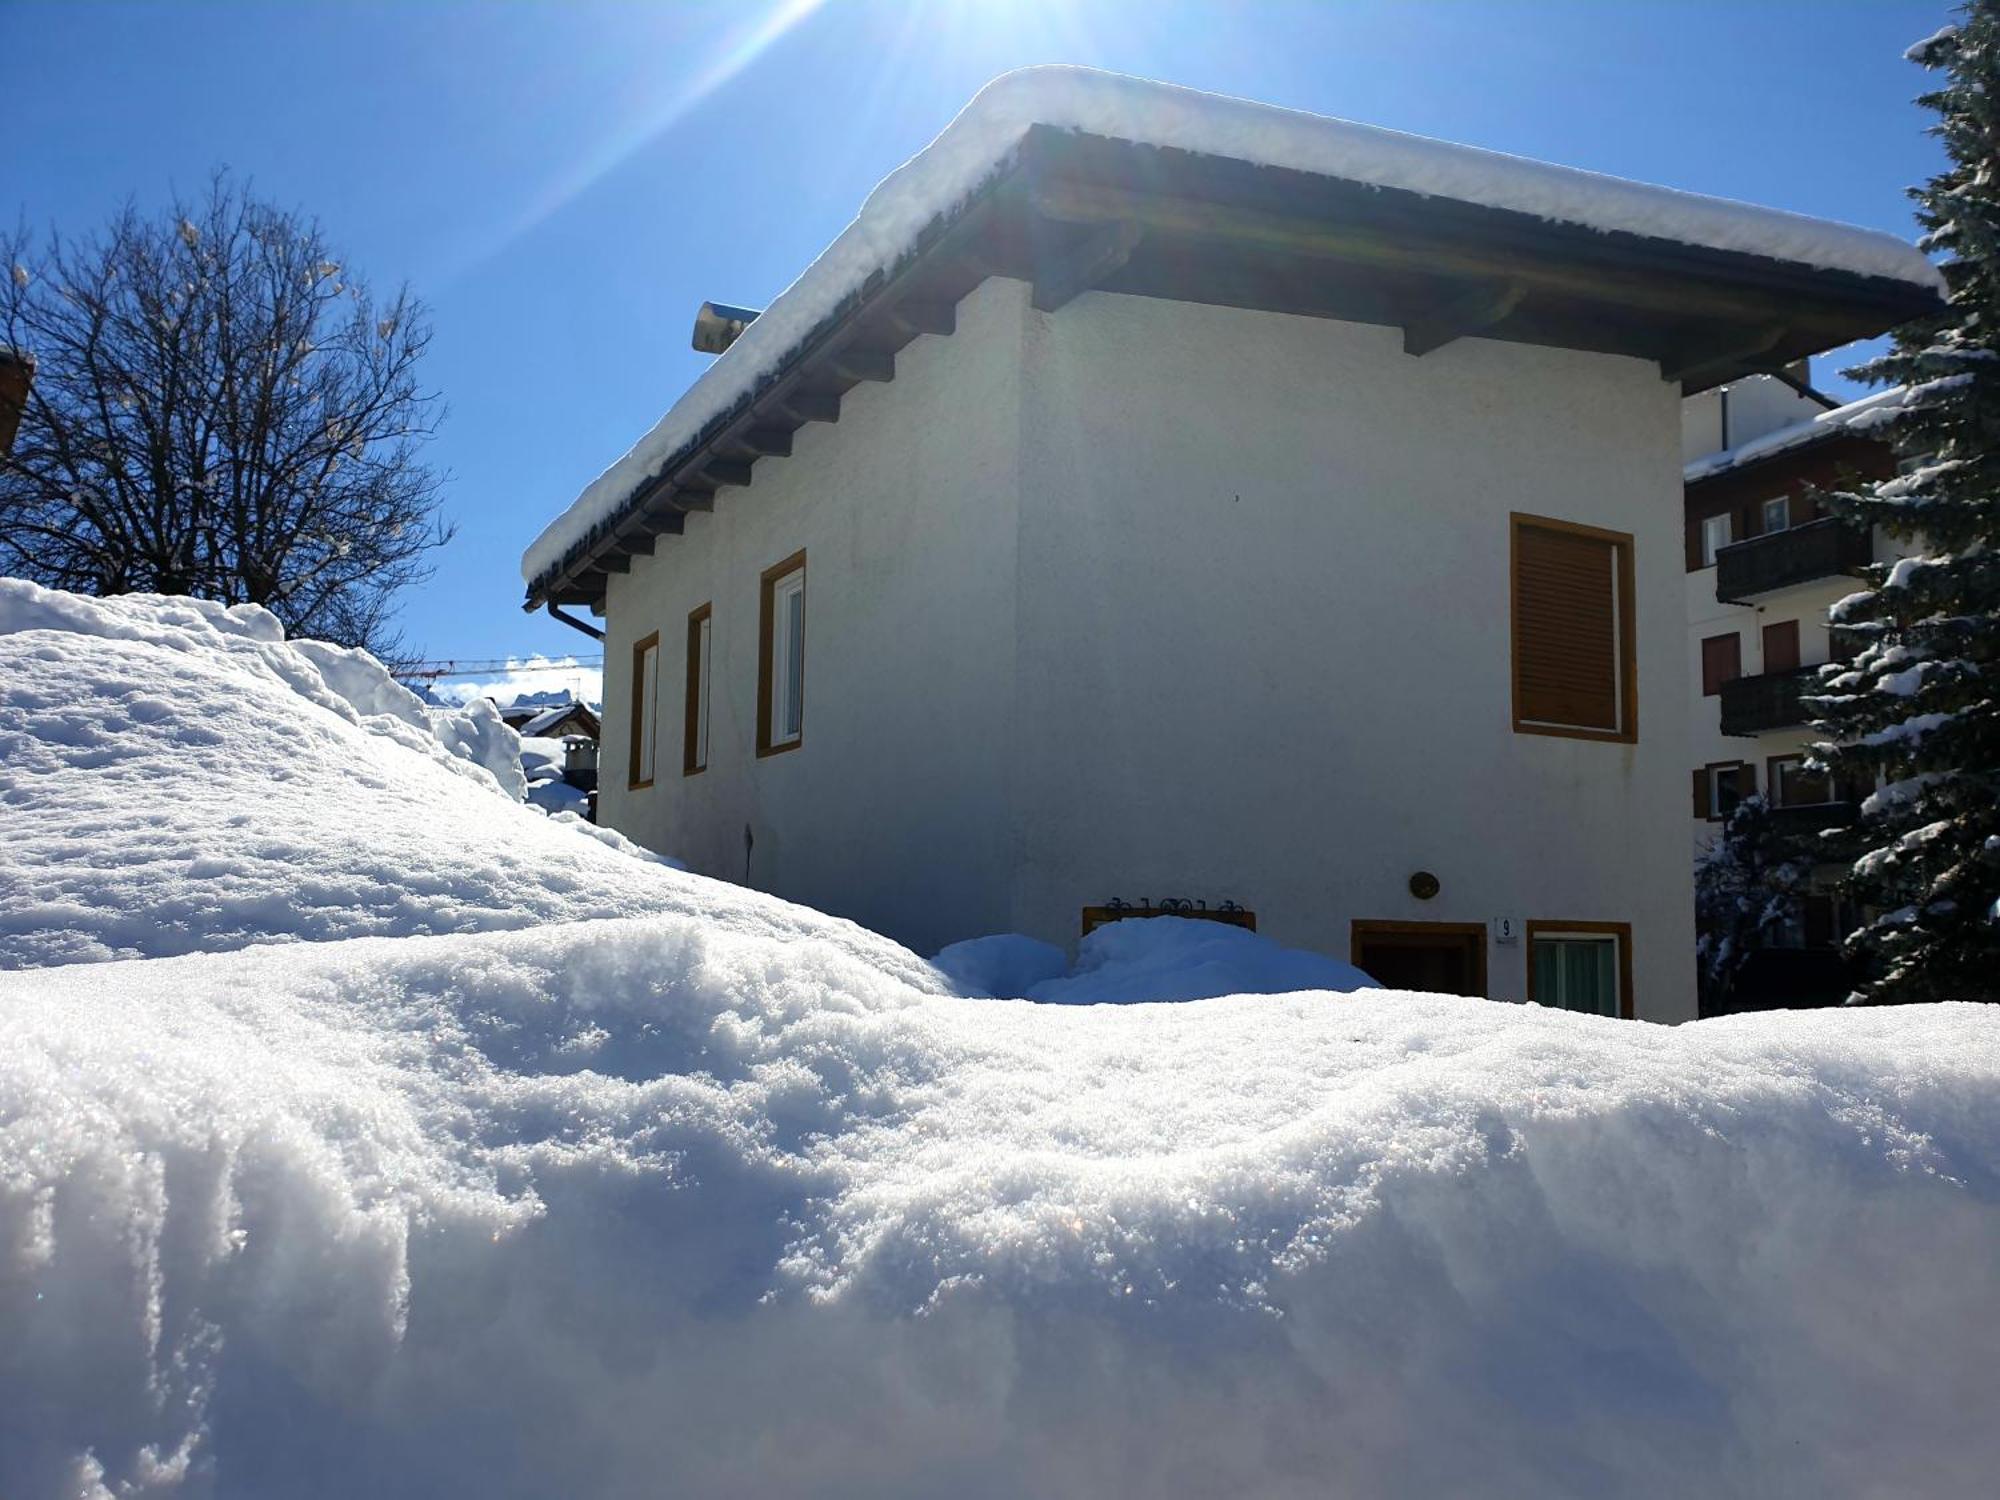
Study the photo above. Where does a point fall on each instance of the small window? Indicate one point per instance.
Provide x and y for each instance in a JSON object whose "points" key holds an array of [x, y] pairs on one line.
{"points": [[781, 703], [1583, 966], [1716, 533], [1792, 785], [1781, 646], [1720, 786], [645, 709], [1572, 624], [1777, 514], [1723, 661], [694, 749]]}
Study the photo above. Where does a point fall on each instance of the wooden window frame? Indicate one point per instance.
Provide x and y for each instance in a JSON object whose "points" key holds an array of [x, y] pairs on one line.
{"points": [[1708, 786], [1712, 690], [1773, 786], [1362, 928], [1625, 623], [639, 649], [694, 753], [766, 629], [1764, 526], [1701, 553], [1548, 927]]}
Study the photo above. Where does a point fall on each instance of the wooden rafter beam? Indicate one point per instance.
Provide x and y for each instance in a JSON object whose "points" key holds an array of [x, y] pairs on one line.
{"points": [[1722, 354], [1471, 311], [1072, 202], [920, 315], [1065, 272], [863, 364], [812, 406], [694, 497], [724, 471]]}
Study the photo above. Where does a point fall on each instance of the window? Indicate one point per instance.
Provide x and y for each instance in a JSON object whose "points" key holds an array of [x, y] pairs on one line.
{"points": [[645, 709], [1574, 660], [1781, 646], [1719, 786], [1716, 533], [781, 656], [1792, 785], [1584, 966], [1721, 661], [1777, 514], [694, 736]]}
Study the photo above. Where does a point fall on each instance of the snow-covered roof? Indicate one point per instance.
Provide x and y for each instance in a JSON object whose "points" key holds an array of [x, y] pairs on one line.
{"points": [[1854, 418], [970, 150], [548, 718]]}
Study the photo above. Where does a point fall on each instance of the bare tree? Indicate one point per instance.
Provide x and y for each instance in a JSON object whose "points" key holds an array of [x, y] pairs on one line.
{"points": [[220, 408]]}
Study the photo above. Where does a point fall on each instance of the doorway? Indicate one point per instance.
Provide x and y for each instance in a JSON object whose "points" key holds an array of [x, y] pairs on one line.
{"points": [[1440, 958]]}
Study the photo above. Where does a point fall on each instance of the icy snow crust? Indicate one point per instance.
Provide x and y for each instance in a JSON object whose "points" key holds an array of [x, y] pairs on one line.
{"points": [[955, 165], [177, 777], [672, 1206]]}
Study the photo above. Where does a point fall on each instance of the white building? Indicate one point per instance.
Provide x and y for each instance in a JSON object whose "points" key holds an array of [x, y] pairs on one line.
{"points": [[1159, 496], [1765, 564]]}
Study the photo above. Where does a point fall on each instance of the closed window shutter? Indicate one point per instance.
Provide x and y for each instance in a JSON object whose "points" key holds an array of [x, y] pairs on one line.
{"points": [[1701, 793], [1566, 645], [1781, 646], [1721, 661]]}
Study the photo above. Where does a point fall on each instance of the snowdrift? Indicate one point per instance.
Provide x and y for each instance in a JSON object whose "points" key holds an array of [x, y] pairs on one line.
{"points": [[177, 777], [669, 1206], [545, 1168]]}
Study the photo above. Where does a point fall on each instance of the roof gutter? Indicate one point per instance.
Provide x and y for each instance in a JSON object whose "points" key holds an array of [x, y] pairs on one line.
{"points": [[555, 613]]}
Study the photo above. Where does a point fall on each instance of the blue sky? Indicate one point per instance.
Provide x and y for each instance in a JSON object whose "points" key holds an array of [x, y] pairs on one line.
{"points": [[565, 183]]}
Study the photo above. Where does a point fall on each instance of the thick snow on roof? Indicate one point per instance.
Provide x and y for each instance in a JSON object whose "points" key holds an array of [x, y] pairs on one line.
{"points": [[1855, 417], [674, 1205], [178, 777], [961, 159]]}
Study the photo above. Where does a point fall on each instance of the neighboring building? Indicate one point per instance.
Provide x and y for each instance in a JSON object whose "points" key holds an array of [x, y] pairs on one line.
{"points": [[1158, 496], [1764, 566], [17, 374], [551, 720]]}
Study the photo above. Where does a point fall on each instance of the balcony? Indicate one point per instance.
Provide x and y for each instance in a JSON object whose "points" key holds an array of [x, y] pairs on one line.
{"points": [[1814, 817], [1751, 705], [1826, 548]]}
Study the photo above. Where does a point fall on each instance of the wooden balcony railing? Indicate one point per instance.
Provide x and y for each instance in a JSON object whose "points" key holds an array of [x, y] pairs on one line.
{"points": [[1825, 548]]}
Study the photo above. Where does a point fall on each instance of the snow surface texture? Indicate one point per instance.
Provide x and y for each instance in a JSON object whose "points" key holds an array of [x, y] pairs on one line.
{"points": [[177, 777], [668, 1206], [955, 165], [1137, 961]]}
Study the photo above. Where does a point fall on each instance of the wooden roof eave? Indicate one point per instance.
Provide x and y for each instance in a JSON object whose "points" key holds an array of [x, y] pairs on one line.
{"points": [[1071, 211]]}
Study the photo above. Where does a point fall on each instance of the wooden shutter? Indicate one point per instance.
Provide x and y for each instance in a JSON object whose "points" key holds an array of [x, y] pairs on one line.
{"points": [[1572, 629], [1721, 661], [1781, 646], [1701, 793]]}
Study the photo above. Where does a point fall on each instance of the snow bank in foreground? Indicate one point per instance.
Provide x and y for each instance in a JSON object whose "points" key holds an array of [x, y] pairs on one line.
{"points": [[955, 165], [661, 1206], [177, 777], [1139, 961]]}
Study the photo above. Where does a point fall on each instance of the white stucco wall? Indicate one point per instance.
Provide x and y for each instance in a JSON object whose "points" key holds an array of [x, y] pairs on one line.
{"points": [[1145, 598], [1264, 631], [894, 810]]}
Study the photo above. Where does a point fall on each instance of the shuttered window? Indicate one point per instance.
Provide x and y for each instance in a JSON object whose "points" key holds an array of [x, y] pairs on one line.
{"points": [[1781, 646], [1573, 647], [1721, 661], [694, 728], [645, 710]]}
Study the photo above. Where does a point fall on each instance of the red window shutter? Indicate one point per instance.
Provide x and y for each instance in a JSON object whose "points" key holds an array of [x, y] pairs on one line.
{"points": [[1781, 646], [1721, 661], [1566, 629]]}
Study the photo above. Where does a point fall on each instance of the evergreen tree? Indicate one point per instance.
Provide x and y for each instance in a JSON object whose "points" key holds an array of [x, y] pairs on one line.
{"points": [[1748, 885], [1917, 705]]}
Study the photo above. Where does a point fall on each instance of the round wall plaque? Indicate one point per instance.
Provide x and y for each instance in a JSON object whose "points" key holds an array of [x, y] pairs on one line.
{"points": [[1423, 885]]}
